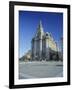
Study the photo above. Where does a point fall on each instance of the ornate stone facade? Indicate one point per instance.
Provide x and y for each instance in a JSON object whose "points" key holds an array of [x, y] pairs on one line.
{"points": [[43, 45]]}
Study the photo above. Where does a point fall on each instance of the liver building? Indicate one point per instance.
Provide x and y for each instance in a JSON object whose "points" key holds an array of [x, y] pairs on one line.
{"points": [[43, 45]]}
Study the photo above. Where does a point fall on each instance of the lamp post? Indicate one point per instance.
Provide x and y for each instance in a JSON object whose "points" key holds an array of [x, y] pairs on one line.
{"points": [[62, 48], [57, 50]]}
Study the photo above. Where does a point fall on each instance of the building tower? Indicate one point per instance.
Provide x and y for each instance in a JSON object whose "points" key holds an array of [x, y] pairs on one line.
{"points": [[37, 43], [39, 36]]}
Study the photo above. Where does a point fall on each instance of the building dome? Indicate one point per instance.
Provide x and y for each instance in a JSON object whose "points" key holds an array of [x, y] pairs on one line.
{"points": [[47, 34]]}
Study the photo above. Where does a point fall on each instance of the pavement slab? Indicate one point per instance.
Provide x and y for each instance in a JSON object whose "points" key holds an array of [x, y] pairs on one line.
{"points": [[41, 69]]}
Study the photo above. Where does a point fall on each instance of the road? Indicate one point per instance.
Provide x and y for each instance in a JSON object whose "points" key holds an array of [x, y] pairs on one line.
{"points": [[40, 69]]}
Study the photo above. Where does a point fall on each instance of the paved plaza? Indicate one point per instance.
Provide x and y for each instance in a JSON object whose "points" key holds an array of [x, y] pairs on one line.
{"points": [[41, 69]]}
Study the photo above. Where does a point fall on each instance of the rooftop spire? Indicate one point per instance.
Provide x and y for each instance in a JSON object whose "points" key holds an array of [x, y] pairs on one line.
{"points": [[40, 24], [40, 28]]}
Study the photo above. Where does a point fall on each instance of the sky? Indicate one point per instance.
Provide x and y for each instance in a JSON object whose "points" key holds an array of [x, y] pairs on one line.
{"points": [[52, 22]]}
